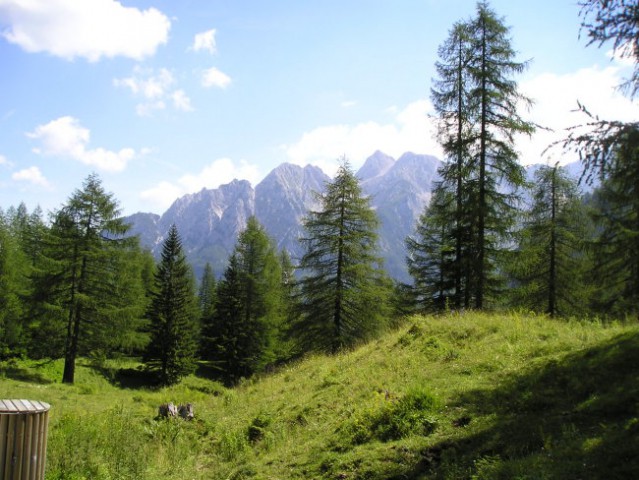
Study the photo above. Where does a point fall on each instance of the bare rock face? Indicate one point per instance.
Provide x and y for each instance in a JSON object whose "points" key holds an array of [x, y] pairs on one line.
{"points": [[399, 192], [210, 220]]}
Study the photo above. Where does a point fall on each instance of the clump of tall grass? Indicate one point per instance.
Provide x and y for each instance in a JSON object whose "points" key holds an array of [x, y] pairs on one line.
{"points": [[412, 414]]}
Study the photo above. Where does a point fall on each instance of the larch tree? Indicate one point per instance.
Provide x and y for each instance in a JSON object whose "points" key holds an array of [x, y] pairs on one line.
{"points": [[76, 276], [173, 315], [452, 103], [495, 100], [344, 293], [550, 263]]}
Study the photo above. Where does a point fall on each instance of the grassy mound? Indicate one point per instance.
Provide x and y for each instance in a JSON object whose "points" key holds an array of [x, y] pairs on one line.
{"points": [[459, 396]]}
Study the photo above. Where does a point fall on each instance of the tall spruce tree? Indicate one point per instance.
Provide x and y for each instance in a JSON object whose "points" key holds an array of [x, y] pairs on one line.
{"points": [[75, 279], [550, 264], [343, 290], [249, 312], [173, 315], [231, 343]]}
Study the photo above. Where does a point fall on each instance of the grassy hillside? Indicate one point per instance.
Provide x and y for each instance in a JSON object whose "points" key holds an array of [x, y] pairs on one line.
{"points": [[458, 396]]}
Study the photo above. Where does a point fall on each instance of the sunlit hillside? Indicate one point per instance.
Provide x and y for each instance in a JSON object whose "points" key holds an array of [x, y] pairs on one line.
{"points": [[456, 396]]}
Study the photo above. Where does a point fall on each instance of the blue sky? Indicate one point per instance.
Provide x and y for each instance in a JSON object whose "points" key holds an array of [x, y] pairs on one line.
{"points": [[163, 98]]}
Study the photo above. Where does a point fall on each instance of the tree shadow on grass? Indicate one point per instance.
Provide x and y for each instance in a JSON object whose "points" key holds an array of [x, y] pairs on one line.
{"points": [[129, 378], [22, 374], [576, 417]]}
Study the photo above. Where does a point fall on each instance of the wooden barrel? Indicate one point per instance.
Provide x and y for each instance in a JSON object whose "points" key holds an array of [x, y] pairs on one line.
{"points": [[23, 439]]}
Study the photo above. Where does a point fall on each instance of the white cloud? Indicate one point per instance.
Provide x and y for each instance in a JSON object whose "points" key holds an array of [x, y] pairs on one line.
{"points": [[213, 77], [148, 108], [218, 172], [205, 41], [31, 175], [556, 98], [91, 29], [65, 137], [409, 130], [181, 101], [162, 195], [155, 89], [348, 103], [4, 162]]}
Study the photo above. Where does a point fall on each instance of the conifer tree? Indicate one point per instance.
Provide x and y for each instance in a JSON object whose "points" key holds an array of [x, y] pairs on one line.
{"points": [[343, 290], [13, 275], [249, 309], [616, 245], [173, 315], [285, 347], [477, 102], [206, 293], [432, 254], [452, 102], [551, 261], [495, 100], [207, 299], [76, 275]]}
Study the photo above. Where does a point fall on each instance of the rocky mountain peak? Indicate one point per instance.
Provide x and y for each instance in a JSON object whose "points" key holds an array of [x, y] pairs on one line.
{"points": [[210, 220], [376, 165]]}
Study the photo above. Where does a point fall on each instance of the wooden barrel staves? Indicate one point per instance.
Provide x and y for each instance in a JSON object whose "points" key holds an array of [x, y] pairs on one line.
{"points": [[23, 439]]}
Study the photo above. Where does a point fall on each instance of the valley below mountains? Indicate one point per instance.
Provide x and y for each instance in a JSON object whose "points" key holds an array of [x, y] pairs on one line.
{"points": [[210, 220]]}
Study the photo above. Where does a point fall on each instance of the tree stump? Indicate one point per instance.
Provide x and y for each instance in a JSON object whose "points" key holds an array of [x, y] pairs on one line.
{"points": [[186, 411], [167, 410]]}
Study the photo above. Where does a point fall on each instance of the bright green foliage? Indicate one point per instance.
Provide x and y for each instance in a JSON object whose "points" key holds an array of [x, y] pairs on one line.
{"points": [[249, 310], [343, 291], [20, 241], [77, 282], [173, 315], [550, 264], [412, 414], [12, 283]]}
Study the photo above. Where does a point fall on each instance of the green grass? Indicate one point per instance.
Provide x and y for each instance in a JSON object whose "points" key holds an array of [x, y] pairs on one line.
{"points": [[459, 396]]}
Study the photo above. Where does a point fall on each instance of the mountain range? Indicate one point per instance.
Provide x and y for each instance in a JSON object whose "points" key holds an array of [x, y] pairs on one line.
{"points": [[210, 220]]}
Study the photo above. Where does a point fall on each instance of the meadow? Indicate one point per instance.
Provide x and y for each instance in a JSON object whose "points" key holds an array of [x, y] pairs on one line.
{"points": [[457, 396]]}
